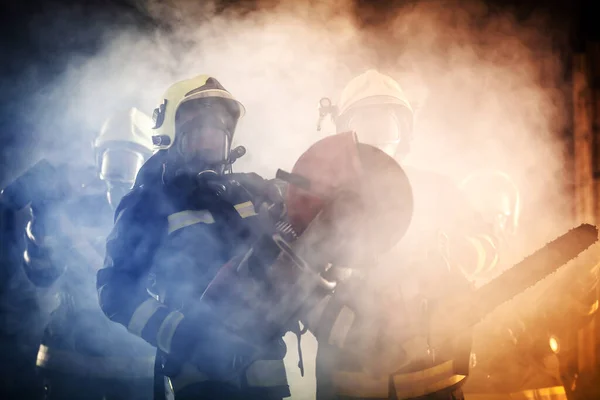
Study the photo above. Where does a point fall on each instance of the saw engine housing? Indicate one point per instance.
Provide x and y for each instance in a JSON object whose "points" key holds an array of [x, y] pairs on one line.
{"points": [[347, 201]]}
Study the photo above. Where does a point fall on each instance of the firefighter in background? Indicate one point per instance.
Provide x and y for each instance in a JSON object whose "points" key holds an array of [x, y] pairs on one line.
{"points": [[445, 237], [185, 219], [497, 199], [83, 354], [534, 370]]}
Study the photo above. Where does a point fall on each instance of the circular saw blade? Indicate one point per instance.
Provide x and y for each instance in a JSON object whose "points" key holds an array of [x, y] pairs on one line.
{"points": [[338, 165]]}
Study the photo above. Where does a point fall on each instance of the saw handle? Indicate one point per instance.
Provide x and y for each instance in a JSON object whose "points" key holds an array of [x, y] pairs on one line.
{"points": [[293, 179], [302, 265]]}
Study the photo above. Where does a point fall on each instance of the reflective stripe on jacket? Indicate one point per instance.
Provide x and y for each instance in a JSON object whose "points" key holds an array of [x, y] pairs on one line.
{"points": [[405, 385], [97, 367], [549, 393]]}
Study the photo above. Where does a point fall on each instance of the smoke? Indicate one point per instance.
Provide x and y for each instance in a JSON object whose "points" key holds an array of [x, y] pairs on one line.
{"points": [[273, 62], [488, 88]]}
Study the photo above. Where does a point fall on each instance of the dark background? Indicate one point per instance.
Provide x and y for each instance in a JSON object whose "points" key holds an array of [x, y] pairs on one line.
{"points": [[30, 60], [31, 57]]}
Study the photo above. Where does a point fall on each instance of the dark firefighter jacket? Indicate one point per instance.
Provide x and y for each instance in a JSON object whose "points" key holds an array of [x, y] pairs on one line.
{"points": [[412, 268], [173, 237], [79, 339]]}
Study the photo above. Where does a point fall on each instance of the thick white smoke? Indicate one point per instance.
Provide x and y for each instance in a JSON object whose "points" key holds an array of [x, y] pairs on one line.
{"points": [[487, 89]]}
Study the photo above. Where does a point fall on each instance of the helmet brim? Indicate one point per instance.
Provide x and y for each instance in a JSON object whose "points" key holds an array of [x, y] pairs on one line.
{"points": [[217, 93], [376, 100]]}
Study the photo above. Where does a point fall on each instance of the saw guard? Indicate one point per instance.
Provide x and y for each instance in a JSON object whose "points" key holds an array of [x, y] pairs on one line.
{"points": [[340, 164]]}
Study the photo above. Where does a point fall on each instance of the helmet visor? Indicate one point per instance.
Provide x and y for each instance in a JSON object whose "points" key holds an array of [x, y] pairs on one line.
{"points": [[204, 129], [204, 143], [378, 126], [120, 165]]}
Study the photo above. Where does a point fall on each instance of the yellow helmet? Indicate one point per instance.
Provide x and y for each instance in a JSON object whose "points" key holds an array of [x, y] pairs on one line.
{"points": [[201, 86], [365, 96], [372, 88]]}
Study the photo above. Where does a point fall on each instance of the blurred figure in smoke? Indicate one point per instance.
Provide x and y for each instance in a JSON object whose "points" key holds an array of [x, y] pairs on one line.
{"points": [[534, 371], [445, 237], [83, 354], [529, 333], [184, 220], [22, 312], [497, 199]]}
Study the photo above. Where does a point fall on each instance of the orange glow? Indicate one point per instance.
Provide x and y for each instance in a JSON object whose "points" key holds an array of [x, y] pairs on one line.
{"points": [[554, 344]]}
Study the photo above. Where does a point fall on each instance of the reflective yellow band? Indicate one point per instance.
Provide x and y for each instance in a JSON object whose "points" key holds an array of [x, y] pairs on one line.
{"points": [[245, 209], [37, 264], [493, 264], [408, 385], [100, 367], [189, 375], [488, 396], [44, 241], [341, 327], [186, 218], [422, 389], [266, 373], [142, 315], [445, 368], [167, 330], [489, 241], [481, 254], [359, 384], [427, 381], [551, 393], [592, 309], [29, 233]]}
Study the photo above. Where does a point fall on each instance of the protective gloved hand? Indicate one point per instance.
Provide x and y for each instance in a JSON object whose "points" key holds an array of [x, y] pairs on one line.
{"points": [[49, 226], [271, 202], [43, 221], [48, 204], [43, 245]]}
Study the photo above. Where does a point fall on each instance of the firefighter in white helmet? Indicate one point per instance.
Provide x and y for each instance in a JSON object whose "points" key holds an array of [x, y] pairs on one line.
{"points": [[184, 220], [119, 158], [83, 354], [444, 235]]}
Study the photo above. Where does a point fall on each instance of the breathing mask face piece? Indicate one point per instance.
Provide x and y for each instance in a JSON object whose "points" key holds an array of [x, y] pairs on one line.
{"points": [[379, 127], [203, 137]]}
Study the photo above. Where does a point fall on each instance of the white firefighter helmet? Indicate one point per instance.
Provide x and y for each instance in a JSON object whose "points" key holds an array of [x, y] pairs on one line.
{"points": [[496, 197], [122, 146], [201, 86], [377, 109], [132, 126]]}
